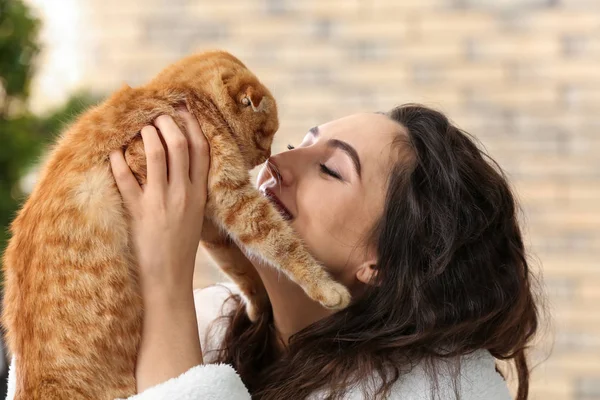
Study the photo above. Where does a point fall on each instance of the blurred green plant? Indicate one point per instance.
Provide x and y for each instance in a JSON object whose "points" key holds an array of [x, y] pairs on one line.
{"points": [[23, 135]]}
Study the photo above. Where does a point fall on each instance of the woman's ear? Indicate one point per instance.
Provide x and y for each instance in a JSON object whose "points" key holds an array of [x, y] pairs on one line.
{"points": [[367, 271]]}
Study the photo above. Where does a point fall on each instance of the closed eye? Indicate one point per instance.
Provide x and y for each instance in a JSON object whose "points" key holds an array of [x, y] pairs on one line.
{"points": [[330, 172]]}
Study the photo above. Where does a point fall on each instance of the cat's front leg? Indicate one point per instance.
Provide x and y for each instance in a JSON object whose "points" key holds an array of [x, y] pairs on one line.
{"points": [[254, 224], [231, 260]]}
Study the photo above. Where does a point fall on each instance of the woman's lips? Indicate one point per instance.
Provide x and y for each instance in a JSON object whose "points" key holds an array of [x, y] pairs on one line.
{"points": [[285, 213]]}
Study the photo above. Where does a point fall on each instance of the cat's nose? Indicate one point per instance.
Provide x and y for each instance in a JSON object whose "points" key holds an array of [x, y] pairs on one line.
{"points": [[264, 156]]}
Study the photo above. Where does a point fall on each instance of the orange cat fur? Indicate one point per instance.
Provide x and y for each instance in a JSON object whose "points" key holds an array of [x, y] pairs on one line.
{"points": [[72, 307]]}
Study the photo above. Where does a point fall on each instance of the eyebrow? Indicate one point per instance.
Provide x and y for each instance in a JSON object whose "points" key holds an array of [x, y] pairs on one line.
{"points": [[345, 147]]}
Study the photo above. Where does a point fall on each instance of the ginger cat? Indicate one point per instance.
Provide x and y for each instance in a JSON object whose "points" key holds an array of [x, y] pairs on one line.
{"points": [[72, 306]]}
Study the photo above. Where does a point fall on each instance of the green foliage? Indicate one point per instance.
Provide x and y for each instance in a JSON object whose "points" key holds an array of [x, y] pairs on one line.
{"points": [[23, 136], [18, 47]]}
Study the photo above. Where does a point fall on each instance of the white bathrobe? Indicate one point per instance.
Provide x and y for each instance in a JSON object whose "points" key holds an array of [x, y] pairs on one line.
{"points": [[478, 379]]}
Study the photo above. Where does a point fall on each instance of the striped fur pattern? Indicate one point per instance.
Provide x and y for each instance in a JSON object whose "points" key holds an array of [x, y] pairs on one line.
{"points": [[72, 306]]}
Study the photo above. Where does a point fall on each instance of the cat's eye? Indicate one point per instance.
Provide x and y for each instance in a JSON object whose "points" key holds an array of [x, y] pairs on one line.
{"points": [[246, 101], [330, 172], [290, 147]]}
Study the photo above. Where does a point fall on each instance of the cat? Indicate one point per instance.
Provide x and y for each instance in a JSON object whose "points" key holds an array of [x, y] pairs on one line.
{"points": [[72, 307]]}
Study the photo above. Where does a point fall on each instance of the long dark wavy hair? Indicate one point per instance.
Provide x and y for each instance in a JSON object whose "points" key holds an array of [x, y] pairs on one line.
{"points": [[452, 278]]}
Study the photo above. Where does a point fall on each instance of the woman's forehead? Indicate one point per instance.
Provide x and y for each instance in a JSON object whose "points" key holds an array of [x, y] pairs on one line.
{"points": [[363, 128], [370, 134]]}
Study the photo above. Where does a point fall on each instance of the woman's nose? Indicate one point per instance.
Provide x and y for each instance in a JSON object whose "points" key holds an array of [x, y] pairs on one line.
{"points": [[284, 167]]}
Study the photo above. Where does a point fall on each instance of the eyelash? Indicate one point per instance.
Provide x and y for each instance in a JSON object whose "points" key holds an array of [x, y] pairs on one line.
{"points": [[324, 168], [328, 171]]}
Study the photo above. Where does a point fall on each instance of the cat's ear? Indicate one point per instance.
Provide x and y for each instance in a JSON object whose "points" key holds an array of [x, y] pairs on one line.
{"points": [[256, 99], [226, 77]]}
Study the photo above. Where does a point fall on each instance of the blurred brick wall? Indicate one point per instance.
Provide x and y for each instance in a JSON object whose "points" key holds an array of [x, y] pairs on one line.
{"points": [[523, 76]]}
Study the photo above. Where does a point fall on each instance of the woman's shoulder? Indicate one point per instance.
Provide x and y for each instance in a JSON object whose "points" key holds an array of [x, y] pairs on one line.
{"points": [[480, 378], [210, 303], [477, 379], [211, 298]]}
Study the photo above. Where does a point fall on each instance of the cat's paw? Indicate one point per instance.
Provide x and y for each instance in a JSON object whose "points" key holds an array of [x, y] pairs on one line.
{"points": [[332, 295]]}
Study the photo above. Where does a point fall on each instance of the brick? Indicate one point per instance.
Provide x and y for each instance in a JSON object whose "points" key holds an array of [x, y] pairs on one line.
{"points": [[338, 8], [573, 45], [589, 290], [557, 388], [437, 50], [561, 289], [322, 28], [456, 24], [562, 21], [581, 72], [562, 72], [577, 341], [371, 51], [591, 48], [580, 5], [558, 167], [573, 219], [572, 265], [391, 29], [391, 74], [471, 74], [226, 10], [514, 46], [581, 97], [436, 97], [96, 9], [264, 28], [588, 388], [277, 7], [314, 96], [572, 364], [517, 95], [115, 29], [319, 55], [585, 318], [393, 7], [540, 192], [579, 191], [506, 6]]}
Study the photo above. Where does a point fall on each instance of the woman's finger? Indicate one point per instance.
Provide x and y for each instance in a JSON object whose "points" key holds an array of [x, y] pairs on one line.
{"points": [[126, 182], [155, 157], [177, 149], [199, 147]]}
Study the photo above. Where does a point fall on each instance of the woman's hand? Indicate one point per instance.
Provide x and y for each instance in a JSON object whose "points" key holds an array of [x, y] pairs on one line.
{"points": [[166, 222], [167, 213]]}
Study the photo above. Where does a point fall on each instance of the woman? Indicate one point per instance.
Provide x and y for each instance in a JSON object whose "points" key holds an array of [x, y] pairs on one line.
{"points": [[402, 208]]}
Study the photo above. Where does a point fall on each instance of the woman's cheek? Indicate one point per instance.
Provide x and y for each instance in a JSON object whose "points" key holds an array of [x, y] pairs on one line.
{"points": [[314, 226]]}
